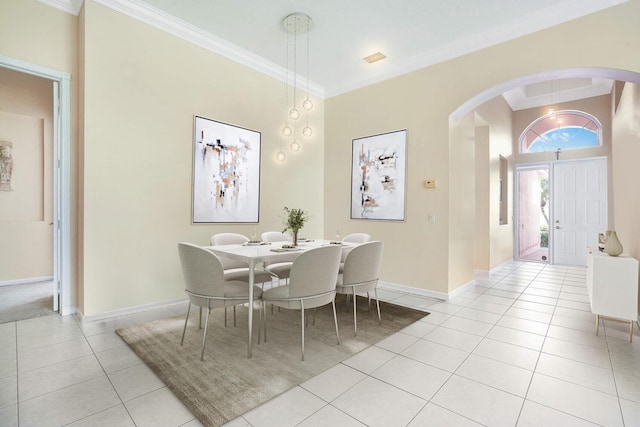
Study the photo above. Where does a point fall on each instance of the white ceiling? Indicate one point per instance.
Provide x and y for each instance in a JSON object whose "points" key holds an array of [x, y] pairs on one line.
{"points": [[411, 33]]}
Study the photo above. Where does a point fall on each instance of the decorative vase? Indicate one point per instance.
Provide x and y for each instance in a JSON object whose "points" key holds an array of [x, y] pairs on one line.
{"points": [[295, 237], [613, 247]]}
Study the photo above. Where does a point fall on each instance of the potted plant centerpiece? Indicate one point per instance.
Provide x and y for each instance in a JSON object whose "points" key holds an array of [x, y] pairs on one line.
{"points": [[294, 220]]}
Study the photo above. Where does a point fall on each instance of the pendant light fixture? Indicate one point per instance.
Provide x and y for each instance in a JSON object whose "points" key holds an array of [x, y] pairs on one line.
{"points": [[296, 23]]}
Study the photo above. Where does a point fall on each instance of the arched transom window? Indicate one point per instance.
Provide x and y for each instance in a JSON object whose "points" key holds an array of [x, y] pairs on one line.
{"points": [[561, 130]]}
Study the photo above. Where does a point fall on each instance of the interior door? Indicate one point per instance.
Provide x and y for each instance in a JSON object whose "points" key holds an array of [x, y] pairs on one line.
{"points": [[579, 205]]}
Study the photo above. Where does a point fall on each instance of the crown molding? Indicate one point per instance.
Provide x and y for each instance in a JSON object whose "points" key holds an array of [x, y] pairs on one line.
{"points": [[149, 15], [545, 18], [70, 6]]}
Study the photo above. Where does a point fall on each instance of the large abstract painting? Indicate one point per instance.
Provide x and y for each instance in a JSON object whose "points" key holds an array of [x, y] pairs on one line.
{"points": [[378, 176], [226, 173]]}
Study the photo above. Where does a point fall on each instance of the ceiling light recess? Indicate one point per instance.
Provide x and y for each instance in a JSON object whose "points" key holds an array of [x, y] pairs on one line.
{"points": [[374, 57]]}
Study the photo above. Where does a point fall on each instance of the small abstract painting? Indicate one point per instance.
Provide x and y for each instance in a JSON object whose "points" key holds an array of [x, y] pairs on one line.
{"points": [[378, 176], [226, 173]]}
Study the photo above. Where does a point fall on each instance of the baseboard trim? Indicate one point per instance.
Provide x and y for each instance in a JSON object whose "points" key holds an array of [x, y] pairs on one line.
{"points": [[462, 289], [23, 281], [411, 290], [129, 310]]}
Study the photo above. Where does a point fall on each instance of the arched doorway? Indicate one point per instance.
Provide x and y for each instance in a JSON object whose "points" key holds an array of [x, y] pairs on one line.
{"points": [[480, 101]]}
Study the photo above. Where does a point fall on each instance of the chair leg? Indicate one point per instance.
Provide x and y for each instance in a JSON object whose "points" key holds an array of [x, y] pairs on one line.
{"points": [[369, 301], [265, 321], [355, 321], [335, 320], [375, 293], [204, 336], [260, 314], [200, 319], [234, 316], [185, 323], [302, 328], [225, 317], [314, 316]]}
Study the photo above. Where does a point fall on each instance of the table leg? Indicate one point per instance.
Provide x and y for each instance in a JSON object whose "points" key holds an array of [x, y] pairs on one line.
{"points": [[252, 264]]}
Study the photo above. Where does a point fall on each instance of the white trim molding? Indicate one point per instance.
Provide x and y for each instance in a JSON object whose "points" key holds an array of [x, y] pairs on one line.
{"points": [[25, 281], [130, 310], [161, 20], [411, 290], [70, 6]]}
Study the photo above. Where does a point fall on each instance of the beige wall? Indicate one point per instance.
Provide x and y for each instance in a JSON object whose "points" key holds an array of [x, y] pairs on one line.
{"points": [[416, 251], [625, 156], [142, 89], [498, 116], [481, 256], [26, 213], [462, 201]]}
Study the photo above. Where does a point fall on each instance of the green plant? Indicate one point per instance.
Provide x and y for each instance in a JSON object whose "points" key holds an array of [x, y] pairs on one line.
{"points": [[294, 219], [544, 238]]}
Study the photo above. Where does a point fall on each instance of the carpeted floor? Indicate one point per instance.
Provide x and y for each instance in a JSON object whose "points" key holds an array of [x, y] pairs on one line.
{"points": [[227, 384], [24, 301]]}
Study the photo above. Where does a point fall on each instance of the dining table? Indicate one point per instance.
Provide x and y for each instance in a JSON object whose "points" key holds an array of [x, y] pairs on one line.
{"points": [[255, 253]]}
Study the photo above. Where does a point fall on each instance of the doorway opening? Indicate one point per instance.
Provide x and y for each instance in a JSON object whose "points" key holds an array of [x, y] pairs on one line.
{"points": [[61, 86], [561, 209], [533, 213]]}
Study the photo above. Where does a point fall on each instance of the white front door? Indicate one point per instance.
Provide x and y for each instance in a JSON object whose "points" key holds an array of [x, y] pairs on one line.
{"points": [[579, 208]]}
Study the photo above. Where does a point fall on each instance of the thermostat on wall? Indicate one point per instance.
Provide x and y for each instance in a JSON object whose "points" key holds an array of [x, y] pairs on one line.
{"points": [[430, 183]]}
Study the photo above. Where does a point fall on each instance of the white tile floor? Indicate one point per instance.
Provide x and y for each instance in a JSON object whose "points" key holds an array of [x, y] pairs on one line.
{"points": [[518, 348]]}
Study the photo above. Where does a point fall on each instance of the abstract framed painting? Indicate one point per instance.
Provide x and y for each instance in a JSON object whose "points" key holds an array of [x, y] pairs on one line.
{"points": [[226, 173], [378, 174]]}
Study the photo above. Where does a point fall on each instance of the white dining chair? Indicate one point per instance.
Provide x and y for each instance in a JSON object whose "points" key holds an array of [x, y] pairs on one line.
{"points": [[207, 287], [282, 268], [236, 269], [312, 284], [357, 238], [360, 275]]}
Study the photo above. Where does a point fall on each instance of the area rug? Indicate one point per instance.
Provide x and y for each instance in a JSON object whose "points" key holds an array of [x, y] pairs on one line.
{"points": [[227, 384], [25, 301]]}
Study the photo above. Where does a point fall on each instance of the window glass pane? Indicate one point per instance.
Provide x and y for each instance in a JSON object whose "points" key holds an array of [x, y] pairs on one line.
{"points": [[564, 138], [565, 130]]}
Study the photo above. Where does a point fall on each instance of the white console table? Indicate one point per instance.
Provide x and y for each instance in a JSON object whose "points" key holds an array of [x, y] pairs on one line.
{"points": [[612, 283]]}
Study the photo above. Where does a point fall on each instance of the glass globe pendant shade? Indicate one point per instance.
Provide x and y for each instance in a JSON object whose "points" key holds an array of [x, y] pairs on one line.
{"points": [[286, 130], [294, 114], [307, 131], [307, 104], [294, 146], [280, 156]]}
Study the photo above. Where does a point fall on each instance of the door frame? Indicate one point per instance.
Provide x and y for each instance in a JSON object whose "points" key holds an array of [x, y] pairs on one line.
{"points": [[62, 175], [516, 223]]}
